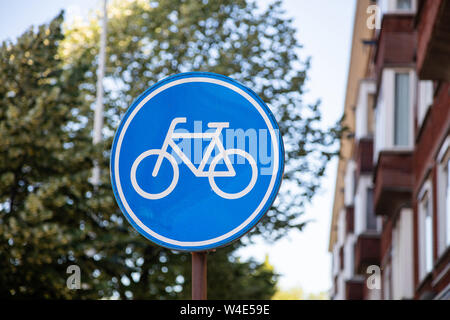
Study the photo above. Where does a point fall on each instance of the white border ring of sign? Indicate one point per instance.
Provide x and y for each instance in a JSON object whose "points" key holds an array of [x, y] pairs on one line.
{"points": [[190, 245]]}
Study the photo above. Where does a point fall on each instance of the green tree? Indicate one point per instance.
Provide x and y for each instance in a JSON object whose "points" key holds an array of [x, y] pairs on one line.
{"points": [[44, 222], [51, 216], [148, 41]]}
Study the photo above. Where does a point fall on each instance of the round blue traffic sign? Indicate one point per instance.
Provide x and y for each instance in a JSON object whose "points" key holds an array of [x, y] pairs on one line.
{"points": [[196, 162]]}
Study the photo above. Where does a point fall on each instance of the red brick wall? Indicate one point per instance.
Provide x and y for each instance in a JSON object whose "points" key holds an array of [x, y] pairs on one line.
{"points": [[396, 43], [354, 290], [367, 252], [364, 156], [435, 128], [349, 219], [427, 17], [432, 134], [393, 181]]}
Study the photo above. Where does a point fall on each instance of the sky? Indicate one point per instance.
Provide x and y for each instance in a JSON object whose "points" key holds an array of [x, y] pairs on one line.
{"points": [[324, 27]]}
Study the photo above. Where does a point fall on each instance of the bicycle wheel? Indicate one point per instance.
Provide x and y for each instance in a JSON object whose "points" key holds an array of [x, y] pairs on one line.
{"points": [[247, 189], [142, 156]]}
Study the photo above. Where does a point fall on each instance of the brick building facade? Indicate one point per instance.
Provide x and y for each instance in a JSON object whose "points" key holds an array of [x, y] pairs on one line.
{"points": [[390, 232]]}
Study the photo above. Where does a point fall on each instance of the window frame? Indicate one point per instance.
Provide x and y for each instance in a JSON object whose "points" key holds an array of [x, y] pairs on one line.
{"points": [[350, 183], [425, 99], [370, 210], [391, 6], [443, 172], [426, 250], [404, 9], [364, 109], [385, 110], [397, 110], [402, 256]]}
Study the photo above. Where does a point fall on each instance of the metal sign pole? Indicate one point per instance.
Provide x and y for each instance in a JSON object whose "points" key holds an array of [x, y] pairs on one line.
{"points": [[199, 269]]}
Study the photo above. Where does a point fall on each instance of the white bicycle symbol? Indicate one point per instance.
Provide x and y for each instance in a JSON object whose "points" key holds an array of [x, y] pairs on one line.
{"points": [[198, 172]]}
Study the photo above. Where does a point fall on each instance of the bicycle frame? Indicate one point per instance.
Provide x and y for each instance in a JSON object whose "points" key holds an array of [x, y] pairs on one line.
{"points": [[215, 141]]}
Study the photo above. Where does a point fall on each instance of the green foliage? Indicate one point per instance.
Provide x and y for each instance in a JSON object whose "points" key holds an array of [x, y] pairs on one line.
{"points": [[51, 216], [148, 41], [36, 152]]}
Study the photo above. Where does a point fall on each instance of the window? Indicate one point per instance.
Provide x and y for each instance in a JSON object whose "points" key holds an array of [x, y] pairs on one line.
{"points": [[425, 230], [335, 259], [402, 253], [394, 110], [397, 6], [370, 116], [365, 220], [364, 109], [447, 199], [404, 4], [349, 265], [371, 218], [428, 236], [401, 110], [341, 258], [443, 195], [349, 179], [425, 99]]}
